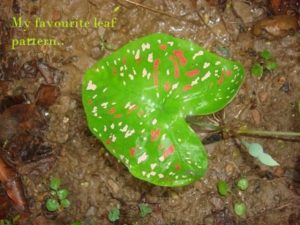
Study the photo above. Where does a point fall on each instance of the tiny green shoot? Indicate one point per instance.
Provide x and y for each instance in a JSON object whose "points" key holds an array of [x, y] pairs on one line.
{"points": [[114, 214], [257, 70], [267, 62], [52, 205], [240, 208], [58, 199], [145, 209], [223, 188], [265, 54], [242, 184], [62, 194], [271, 66], [5, 222], [76, 223], [55, 183]]}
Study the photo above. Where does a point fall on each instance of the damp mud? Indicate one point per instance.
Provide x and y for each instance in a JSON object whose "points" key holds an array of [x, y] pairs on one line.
{"points": [[44, 133]]}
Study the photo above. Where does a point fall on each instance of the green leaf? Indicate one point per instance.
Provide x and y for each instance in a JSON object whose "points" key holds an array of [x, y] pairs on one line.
{"points": [[76, 223], [114, 214], [255, 149], [265, 54], [137, 99], [62, 194], [271, 66], [55, 183], [145, 209], [257, 70], [65, 203], [5, 222], [240, 208], [52, 205], [223, 188], [267, 160], [243, 184]]}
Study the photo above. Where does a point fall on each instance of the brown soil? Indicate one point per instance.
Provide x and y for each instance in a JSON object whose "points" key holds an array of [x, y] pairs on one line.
{"points": [[98, 182]]}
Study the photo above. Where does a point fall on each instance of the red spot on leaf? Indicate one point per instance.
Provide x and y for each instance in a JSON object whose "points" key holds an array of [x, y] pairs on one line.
{"points": [[227, 73], [221, 81], [132, 152], [176, 67], [155, 71], [114, 70], [108, 142], [141, 113], [155, 134], [177, 167], [90, 101], [180, 55], [118, 116], [160, 146], [192, 73], [124, 60], [163, 47], [167, 86], [112, 110], [187, 87], [168, 151]]}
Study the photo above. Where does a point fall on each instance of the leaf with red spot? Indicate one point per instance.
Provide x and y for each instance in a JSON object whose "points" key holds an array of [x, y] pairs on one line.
{"points": [[136, 101]]}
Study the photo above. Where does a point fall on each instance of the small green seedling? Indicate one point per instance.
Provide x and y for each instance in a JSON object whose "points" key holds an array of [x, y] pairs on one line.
{"points": [[59, 196], [257, 70], [257, 151], [76, 223], [145, 209], [240, 208], [5, 222], [114, 214], [223, 188], [267, 62], [242, 184]]}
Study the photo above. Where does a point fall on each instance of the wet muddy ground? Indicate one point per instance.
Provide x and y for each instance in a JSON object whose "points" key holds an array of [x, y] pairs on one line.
{"points": [[44, 132]]}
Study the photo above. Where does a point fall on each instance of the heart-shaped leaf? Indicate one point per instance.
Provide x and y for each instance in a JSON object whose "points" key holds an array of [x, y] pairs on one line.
{"points": [[136, 101]]}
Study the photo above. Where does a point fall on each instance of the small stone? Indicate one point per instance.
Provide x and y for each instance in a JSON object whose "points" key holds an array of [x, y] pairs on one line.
{"points": [[243, 10], [229, 169], [279, 171], [47, 95], [113, 186], [91, 211], [256, 116]]}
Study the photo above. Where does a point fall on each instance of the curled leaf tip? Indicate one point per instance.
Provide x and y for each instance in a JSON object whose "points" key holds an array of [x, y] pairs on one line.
{"points": [[136, 101]]}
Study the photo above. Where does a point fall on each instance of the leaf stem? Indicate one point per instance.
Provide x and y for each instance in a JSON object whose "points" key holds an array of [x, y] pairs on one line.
{"points": [[267, 133]]}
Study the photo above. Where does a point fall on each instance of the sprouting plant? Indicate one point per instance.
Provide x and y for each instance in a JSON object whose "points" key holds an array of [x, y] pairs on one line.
{"points": [[223, 188], [76, 223], [114, 214], [266, 62], [240, 208], [145, 209], [5, 222], [242, 184], [59, 197]]}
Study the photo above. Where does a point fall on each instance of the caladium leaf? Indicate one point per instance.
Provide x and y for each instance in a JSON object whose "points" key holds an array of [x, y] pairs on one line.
{"points": [[136, 101]]}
